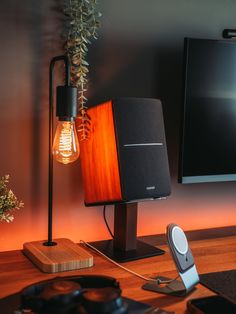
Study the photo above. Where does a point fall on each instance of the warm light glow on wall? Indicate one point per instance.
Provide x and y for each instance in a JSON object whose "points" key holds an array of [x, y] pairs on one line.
{"points": [[116, 64]]}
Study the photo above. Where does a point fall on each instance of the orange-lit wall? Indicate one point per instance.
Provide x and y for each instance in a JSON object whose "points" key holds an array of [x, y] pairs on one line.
{"points": [[138, 53]]}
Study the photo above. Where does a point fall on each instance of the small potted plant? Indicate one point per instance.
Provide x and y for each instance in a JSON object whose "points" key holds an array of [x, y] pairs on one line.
{"points": [[8, 201]]}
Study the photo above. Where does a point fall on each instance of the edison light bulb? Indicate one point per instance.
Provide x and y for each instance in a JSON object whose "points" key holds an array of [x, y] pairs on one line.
{"points": [[65, 145]]}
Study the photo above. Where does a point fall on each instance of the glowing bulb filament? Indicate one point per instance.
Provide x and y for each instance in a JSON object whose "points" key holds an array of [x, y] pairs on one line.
{"points": [[65, 144]]}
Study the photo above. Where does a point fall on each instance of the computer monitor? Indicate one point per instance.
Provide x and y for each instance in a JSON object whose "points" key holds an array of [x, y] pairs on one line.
{"points": [[208, 130]]}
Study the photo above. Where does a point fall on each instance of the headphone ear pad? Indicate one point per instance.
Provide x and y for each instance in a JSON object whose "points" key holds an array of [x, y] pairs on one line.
{"points": [[32, 296]]}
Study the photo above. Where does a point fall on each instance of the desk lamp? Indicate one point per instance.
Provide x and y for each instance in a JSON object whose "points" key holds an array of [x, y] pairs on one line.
{"points": [[61, 254]]}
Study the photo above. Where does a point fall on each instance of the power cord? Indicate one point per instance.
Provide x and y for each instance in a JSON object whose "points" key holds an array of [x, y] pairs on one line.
{"points": [[104, 217], [157, 281]]}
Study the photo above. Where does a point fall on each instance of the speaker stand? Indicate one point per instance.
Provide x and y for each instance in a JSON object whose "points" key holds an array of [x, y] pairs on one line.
{"points": [[125, 246]]}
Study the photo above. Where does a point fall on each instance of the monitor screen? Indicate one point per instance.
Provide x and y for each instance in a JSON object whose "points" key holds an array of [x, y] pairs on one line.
{"points": [[208, 148]]}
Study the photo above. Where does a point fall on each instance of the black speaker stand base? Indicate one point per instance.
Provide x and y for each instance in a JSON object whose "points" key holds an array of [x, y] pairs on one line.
{"points": [[143, 250]]}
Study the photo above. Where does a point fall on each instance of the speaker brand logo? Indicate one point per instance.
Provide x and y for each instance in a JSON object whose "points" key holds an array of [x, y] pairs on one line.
{"points": [[148, 188]]}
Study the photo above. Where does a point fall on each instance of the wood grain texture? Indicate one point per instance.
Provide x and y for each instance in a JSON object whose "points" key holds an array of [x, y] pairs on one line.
{"points": [[16, 271], [99, 159], [64, 256]]}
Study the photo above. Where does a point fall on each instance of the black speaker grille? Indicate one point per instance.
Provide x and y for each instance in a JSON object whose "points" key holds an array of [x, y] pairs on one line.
{"points": [[142, 149]]}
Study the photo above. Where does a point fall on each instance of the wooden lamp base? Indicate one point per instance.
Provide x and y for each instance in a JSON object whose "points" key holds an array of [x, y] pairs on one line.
{"points": [[64, 256]]}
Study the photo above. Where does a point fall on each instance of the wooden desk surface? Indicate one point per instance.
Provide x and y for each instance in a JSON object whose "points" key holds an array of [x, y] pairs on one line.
{"points": [[16, 272]]}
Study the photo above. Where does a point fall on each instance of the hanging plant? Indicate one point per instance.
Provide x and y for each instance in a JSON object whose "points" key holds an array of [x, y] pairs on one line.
{"points": [[80, 26]]}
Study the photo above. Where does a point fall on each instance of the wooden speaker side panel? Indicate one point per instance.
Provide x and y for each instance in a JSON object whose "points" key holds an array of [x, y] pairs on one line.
{"points": [[99, 159]]}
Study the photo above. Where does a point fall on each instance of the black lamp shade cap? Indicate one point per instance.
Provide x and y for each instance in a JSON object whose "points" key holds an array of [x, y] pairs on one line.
{"points": [[66, 108]]}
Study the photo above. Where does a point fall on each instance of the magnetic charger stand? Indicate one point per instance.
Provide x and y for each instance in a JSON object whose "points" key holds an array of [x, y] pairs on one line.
{"points": [[184, 262]]}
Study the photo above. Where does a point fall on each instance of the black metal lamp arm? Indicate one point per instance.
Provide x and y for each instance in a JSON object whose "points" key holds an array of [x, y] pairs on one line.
{"points": [[49, 241]]}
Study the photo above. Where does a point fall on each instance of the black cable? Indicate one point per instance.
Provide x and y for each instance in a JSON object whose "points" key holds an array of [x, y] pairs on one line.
{"points": [[104, 217]]}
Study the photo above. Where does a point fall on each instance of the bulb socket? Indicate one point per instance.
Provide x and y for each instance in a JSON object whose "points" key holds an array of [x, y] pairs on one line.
{"points": [[66, 104]]}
